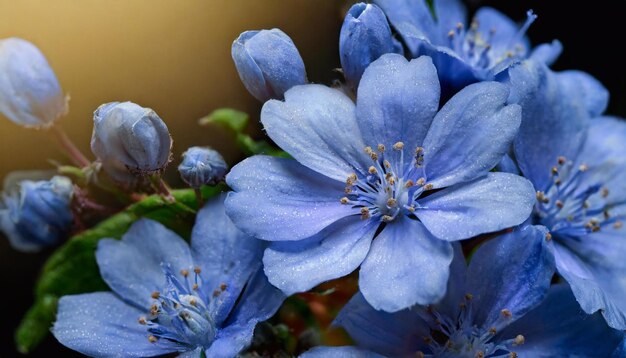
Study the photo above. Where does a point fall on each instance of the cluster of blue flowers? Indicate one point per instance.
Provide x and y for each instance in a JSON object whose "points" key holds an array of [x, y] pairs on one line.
{"points": [[478, 193]]}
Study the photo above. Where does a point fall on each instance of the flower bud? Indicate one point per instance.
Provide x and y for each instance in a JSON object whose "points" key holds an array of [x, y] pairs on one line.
{"points": [[202, 166], [30, 94], [365, 36], [268, 63], [130, 141], [37, 214]]}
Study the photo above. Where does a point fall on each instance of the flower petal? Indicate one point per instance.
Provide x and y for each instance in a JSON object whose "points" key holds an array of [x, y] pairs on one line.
{"points": [[494, 202], [595, 269], [558, 328], [225, 256], [554, 121], [547, 53], [317, 126], [587, 90], [470, 134], [405, 266], [501, 28], [258, 302], [231, 340], [101, 324], [606, 141], [278, 199], [397, 101], [334, 252], [132, 266], [512, 272], [412, 19], [391, 334]]}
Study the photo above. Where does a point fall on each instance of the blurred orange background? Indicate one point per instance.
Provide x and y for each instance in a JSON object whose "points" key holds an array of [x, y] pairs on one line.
{"points": [[171, 56]]}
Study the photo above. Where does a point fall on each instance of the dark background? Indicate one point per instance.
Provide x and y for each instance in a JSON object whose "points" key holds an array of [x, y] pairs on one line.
{"points": [[591, 36]]}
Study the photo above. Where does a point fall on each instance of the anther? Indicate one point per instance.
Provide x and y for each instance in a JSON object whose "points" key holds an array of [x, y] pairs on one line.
{"points": [[554, 170], [519, 340], [480, 354], [365, 213], [451, 33], [512, 355], [388, 176], [381, 148], [469, 296], [347, 190], [197, 270], [154, 310], [391, 202], [411, 208], [604, 192], [561, 160], [398, 146], [459, 26], [462, 305], [506, 313], [223, 286], [194, 287], [428, 187], [387, 218], [583, 167], [559, 204], [387, 164], [557, 182], [618, 225], [427, 339], [193, 302], [351, 179], [344, 200], [155, 295], [142, 320], [184, 272], [606, 213], [391, 181], [368, 150], [548, 236], [419, 150], [372, 170], [421, 181], [374, 156], [493, 331], [216, 293], [152, 339], [409, 183]]}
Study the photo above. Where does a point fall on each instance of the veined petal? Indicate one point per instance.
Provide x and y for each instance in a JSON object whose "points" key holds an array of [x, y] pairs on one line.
{"points": [[397, 101], [225, 255], [317, 126], [595, 269], [606, 141], [405, 266], [585, 90], [231, 340], [132, 266], [559, 328], [278, 199], [554, 120], [412, 19], [470, 134], [512, 272], [494, 202], [101, 324], [334, 252], [392, 334]]}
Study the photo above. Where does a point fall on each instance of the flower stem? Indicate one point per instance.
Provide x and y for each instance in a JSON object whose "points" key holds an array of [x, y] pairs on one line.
{"points": [[199, 199], [70, 148], [161, 188]]}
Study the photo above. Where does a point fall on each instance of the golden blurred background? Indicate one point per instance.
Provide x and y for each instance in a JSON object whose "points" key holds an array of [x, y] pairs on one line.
{"points": [[171, 56]]}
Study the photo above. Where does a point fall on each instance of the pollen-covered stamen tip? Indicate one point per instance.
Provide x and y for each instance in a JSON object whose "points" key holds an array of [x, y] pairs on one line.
{"points": [[398, 146], [365, 213], [381, 148], [519, 340], [506, 313]]}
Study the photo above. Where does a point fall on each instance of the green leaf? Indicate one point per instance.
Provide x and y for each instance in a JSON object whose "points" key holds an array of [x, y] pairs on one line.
{"points": [[250, 147], [72, 268], [227, 118]]}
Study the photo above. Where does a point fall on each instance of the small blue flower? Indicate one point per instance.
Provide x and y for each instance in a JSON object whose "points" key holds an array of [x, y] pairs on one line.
{"points": [[130, 141], [393, 167], [502, 305], [268, 63], [30, 94], [169, 298], [365, 36], [577, 165], [38, 214], [464, 54], [202, 166]]}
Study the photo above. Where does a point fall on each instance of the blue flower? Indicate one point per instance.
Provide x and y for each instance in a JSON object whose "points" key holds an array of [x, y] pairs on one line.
{"points": [[202, 166], [365, 36], [37, 214], [577, 166], [392, 167], [502, 305], [464, 54], [30, 94], [268, 63], [169, 298], [130, 141]]}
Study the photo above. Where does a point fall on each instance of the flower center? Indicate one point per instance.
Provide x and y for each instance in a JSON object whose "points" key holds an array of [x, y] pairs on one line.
{"points": [[475, 46], [459, 337], [575, 203], [390, 186], [179, 314]]}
